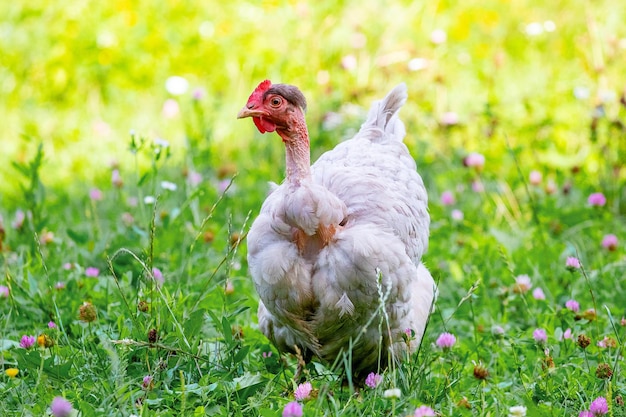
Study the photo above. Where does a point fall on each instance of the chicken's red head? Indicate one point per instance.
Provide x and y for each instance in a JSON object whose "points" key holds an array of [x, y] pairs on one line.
{"points": [[272, 105]]}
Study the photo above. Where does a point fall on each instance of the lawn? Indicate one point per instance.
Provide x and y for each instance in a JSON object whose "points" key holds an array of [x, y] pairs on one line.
{"points": [[128, 187]]}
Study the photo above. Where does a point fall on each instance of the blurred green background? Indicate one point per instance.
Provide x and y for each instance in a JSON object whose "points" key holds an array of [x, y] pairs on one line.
{"points": [[78, 76], [531, 85]]}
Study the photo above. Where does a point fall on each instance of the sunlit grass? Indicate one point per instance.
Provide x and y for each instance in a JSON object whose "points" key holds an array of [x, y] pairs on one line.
{"points": [[105, 169]]}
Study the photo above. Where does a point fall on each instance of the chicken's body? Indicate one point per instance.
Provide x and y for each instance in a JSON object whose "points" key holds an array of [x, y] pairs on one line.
{"points": [[334, 243]]}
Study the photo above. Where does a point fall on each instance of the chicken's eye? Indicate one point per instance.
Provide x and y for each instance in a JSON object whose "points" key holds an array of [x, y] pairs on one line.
{"points": [[275, 101]]}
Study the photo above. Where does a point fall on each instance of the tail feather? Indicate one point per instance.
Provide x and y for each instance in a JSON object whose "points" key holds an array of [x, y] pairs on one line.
{"points": [[383, 114]]}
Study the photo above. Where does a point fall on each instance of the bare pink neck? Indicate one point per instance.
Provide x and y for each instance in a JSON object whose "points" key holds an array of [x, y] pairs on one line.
{"points": [[297, 150]]}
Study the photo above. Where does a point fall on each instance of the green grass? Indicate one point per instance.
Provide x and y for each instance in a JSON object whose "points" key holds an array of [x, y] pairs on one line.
{"points": [[75, 81]]}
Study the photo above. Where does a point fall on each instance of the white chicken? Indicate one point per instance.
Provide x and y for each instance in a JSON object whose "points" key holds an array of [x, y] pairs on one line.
{"points": [[339, 244]]}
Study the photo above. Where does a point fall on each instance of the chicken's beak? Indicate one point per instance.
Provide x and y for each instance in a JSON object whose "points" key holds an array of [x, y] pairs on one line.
{"points": [[248, 112]]}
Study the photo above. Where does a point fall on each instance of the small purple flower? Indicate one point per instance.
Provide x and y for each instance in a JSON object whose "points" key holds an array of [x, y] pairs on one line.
{"points": [[92, 272], [95, 194], [438, 36], [609, 242], [170, 109], [538, 294], [596, 199], [52, 325], [572, 263], [449, 118], [457, 215], [447, 198], [303, 391], [607, 342], [229, 288], [373, 380], [349, 62], [60, 407], [522, 284], [194, 178], [567, 334], [20, 216], [446, 340], [424, 411], [535, 177], [4, 291], [540, 336], [127, 219], [292, 409], [59, 285], [477, 186], [497, 330], [599, 407], [585, 413], [46, 238], [147, 382], [158, 275], [572, 305], [475, 160], [222, 185], [198, 94], [27, 342], [101, 128], [116, 178]]}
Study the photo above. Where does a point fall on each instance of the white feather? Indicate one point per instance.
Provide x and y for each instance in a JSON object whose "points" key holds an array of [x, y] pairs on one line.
{"points": [[345, 306]]}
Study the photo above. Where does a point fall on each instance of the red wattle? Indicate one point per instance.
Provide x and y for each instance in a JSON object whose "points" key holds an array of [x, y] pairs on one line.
{"points": [[263, 125]]}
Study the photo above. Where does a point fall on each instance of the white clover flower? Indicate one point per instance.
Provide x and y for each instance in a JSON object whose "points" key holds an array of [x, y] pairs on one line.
{"points": [[581, 93], [176, 85], [534, 29], [457, 215], [106, 39], [497, 330], [323, 77], [331, 121], [349, 62], [606, 95], [162, 143], [438, 36], [517, 411], [206, 29], [149, 199], [392, 393], [549, 26], [418, 64], [170, 108], [167, 185]]}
